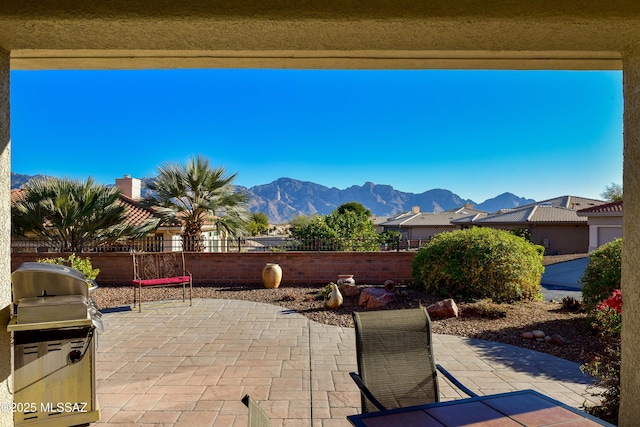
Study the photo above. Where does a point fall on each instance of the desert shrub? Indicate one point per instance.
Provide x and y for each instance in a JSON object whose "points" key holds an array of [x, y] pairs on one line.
{"points": [[603, 273], [479, 263], [605, 367]]}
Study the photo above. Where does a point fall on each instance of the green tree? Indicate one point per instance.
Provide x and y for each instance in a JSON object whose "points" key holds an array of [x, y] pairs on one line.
{"points": [[195, 193], [348, 228], [612, 192], [258, 223], [74, 213], [356, 207], [313, 233]]}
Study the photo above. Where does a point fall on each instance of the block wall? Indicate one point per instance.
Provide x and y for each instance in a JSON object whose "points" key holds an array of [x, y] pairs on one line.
{"points": [[246, 268]]}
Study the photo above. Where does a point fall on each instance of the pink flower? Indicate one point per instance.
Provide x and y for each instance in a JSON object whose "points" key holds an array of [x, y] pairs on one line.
{"points": [[614, 302]]}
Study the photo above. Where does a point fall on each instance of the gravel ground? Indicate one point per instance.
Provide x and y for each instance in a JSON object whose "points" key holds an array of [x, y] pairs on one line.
{"points": [[503, 323]]}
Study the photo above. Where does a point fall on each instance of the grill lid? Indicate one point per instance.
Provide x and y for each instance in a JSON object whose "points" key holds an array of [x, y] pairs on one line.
{"points": [[37, 279]]}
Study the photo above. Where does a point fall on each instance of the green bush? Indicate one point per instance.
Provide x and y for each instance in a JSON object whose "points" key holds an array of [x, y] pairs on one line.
{"points": [[602, 275], [83, 265], [480, 263]]}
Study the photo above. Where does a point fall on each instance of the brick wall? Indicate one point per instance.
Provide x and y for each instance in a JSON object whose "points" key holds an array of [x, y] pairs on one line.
{"points": [[246, 268]]}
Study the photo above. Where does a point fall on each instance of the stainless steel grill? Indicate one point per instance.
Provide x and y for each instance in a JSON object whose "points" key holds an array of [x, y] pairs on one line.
{"points": [[54, 346]]}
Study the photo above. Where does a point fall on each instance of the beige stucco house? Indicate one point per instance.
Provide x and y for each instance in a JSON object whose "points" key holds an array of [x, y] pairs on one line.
{"points": [[377, 34], [552, 223], [422, 226], [605, 223]]}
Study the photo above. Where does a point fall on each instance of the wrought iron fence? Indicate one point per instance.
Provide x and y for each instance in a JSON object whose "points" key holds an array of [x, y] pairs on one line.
{"points": [[244, 244]]}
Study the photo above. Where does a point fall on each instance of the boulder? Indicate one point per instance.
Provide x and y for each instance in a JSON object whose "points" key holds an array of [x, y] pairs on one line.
{"points": [[443, 309], [375, 298], [349, 290]]}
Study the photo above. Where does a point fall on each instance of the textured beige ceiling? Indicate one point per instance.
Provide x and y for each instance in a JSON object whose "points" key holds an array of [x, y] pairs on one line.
{"points": [[582, 34]]}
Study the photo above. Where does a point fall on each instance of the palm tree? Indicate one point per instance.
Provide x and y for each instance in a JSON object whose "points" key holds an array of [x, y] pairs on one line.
{"points": [[74, 213], [195, 194]]}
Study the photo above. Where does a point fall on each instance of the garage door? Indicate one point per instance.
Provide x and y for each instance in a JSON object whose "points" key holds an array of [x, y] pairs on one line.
{"points": [[607, 234]]}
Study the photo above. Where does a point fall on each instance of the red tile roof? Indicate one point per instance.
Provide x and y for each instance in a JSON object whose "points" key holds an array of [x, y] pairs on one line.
{"points": [[136, 213], [612, 208]]}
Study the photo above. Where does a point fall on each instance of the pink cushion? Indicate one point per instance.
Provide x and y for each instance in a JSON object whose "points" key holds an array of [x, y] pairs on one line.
{"points": [[178, 280]]}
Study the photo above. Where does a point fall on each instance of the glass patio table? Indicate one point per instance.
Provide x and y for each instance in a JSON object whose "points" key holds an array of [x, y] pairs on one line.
{"points": [[518, 408]]}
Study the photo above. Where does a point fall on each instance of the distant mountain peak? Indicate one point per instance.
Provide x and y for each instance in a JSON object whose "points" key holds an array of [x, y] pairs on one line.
{"points": [[285, 198]]}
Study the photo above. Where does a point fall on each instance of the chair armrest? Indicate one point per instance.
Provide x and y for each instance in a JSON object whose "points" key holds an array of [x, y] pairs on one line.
{"points": [[366, 392], [455, 381]]}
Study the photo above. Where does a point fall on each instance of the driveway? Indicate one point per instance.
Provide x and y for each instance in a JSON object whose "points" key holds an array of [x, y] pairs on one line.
{"points": [[562, 279]]}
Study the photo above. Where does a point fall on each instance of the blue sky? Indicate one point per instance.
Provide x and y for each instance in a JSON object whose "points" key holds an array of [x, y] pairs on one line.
{"points": [[537, 134]]}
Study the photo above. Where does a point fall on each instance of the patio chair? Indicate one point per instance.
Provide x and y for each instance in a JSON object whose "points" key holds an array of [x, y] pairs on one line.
{"points": [[396, 365], [257, 416]]}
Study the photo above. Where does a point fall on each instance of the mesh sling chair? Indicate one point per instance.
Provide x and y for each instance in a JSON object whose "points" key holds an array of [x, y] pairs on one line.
{"points": [[396, 367], [257, 416]]}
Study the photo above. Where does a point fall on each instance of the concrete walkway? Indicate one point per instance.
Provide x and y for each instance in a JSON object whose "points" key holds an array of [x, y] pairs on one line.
{"points": [[175, 365]]}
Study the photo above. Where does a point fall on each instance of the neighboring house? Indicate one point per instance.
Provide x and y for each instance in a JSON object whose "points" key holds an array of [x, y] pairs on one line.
{"points": [[552, 223], [168, 236], [605, 223], [416, 225], [378, 221]]}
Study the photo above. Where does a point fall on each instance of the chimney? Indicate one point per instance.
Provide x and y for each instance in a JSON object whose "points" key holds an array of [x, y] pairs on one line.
{"points": [[468, 205], [415, 209], [130, 187]]}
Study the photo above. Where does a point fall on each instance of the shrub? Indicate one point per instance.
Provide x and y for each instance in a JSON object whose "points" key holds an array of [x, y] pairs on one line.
{"points": [[602, 275], [480, 263], [83, 265], [605, 367]]}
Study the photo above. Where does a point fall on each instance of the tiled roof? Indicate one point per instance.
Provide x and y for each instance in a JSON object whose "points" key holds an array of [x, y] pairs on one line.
{"points": [[608, 209], [377, 220], [438, 218], [16, 195], [561, 209], [422, 219], [569, 202], [136, 213]]}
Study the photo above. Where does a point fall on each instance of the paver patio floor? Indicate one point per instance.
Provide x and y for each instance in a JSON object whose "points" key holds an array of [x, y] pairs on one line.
{"points": [[175, 365]]}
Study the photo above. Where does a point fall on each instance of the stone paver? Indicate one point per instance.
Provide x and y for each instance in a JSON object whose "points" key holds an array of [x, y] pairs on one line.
{"points": [[189, 366]]}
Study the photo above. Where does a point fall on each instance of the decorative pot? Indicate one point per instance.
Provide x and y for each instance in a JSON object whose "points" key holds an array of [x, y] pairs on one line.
{"points": [[346, 279], [271, 275], [335, 299]]}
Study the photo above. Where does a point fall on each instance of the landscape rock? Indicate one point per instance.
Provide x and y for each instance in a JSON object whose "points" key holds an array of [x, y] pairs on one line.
{"points": [[443, 309], [349, 290], [539, 334], [557, 340], [375, 298], [527, 335]]}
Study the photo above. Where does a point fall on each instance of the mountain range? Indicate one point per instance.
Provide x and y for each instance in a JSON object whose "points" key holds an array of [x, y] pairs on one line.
{"points": [[285, 198]]}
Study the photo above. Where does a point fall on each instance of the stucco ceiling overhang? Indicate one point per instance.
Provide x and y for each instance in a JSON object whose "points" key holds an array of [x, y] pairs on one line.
{"points": [[570, 34]]}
